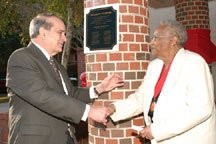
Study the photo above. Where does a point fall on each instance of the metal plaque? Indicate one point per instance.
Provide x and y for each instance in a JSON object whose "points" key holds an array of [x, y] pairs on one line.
{"points": [[101, 28]]}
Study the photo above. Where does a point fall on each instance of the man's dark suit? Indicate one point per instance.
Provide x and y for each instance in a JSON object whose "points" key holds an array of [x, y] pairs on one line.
{"points": [[39, 108]]}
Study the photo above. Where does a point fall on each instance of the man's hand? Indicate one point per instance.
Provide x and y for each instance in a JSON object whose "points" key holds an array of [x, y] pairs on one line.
{"points": [[110, 82], [111, 109], [99, 114]]}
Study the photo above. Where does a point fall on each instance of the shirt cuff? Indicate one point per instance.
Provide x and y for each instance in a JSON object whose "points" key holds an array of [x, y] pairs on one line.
{"points": [[92, 94], [85, 115]]}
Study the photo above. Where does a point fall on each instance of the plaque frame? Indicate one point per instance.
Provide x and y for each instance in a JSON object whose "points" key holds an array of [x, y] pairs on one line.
{"points": [[115, 47]]}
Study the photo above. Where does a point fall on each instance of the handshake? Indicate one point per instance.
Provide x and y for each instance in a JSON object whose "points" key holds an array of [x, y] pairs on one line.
{"points": [[101, 113]]}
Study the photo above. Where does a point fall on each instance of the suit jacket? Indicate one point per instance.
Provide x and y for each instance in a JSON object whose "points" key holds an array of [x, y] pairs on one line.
{"points": [[185, 111], [40, 110]]}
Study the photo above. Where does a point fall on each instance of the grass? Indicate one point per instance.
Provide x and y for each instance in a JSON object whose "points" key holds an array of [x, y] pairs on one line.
{"points": [[4, 99]]}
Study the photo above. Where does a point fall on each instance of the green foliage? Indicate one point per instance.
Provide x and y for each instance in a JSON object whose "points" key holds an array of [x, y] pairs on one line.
{"points": [[8, 44], [8, 17], [57, 6], [16, 14], [78, 13]]}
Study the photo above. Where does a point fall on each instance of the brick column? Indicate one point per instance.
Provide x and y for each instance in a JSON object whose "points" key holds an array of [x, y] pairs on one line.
{"points": [[130, 61], [3, 128], [194, 15]]}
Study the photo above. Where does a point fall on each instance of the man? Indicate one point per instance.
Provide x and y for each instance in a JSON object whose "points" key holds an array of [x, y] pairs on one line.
{"points": [[43, 101], [176, 97]]}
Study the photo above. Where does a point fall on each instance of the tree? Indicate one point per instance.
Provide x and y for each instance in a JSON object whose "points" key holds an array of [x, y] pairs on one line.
{"points": [[16, 15], [7, 45]]}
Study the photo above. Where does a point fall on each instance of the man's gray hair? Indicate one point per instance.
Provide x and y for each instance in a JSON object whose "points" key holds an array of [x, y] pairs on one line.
{"points": [[41, 20], [176, 29]]}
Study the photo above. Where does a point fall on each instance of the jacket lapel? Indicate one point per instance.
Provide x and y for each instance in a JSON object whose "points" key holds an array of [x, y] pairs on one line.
{"points": [[151, 79], [42, 58], [173, 72]]}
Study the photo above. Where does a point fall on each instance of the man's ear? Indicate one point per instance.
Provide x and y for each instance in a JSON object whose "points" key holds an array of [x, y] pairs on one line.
{"points": [[42, 32]]}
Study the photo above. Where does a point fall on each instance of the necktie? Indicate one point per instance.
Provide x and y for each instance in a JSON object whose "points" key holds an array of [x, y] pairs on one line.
{"points": [[51, 61]]}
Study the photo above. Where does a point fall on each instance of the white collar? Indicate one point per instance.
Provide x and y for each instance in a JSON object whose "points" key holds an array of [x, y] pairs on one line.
{"points": [[42, 50]]}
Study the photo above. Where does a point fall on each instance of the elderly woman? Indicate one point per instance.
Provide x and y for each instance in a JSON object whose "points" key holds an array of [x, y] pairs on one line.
{"points": [[176, 96]]}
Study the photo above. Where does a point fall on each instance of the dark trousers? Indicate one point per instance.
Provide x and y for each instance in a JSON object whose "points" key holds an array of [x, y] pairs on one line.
{"points": [[70, 140]]}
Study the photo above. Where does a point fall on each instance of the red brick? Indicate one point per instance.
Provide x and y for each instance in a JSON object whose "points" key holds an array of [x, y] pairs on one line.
{"points": [[127, 1], [130, 75], [135, 84], [128, 37], [104, 133], [123, 47], [117, 95], [139, 38], [139, 19], [126, 141], [111, 141], [139, 121], [125, 124], [122, 66], [127, 19], [138, 2], [108, 67], [133, 9], [91, 139], [115, 56], [143, 11], [129, 56], [101, 57], [98, 103], [117, 133], [102, 76], [134, 47], [135, 65], [144, 65], [134, 28], [123, 9], [123, 28], [112, 1], [90, 58], [130, 132], [92, 76], [4, 127], [99, 140], [96, 67]]}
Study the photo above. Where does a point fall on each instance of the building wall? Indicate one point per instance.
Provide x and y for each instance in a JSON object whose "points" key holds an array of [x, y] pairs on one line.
{"points": [[3, 128], [212, 15]]}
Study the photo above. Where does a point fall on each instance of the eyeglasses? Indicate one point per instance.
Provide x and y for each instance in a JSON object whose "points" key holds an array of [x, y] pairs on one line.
{"points": [[158, 37]]}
